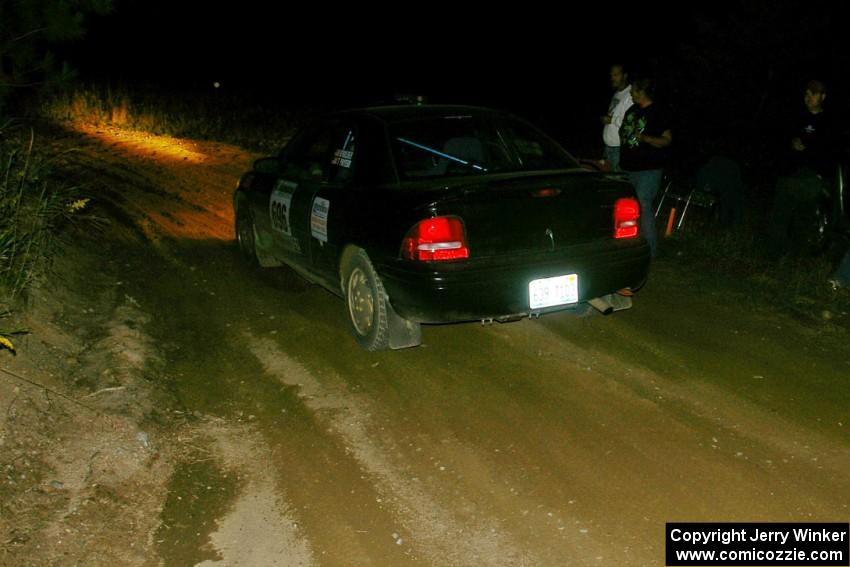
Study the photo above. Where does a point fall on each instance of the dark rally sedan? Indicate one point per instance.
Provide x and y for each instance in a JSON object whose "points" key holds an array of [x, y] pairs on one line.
{"points": [[437, 214]]}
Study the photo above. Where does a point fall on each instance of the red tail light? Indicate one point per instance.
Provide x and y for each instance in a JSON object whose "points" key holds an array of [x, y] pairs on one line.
{"points": [[436, 239], [626, 215]]}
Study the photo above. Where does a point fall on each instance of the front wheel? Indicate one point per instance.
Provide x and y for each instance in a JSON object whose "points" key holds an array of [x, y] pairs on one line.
{"points": [[245, 235]]}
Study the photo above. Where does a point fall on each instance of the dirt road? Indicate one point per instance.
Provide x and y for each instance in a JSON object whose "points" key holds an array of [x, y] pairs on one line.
{"points": [[560, 441]]}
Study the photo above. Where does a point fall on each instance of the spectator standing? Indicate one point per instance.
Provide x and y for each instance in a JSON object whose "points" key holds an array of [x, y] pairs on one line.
{"points": [[621, 101], [645, 135], [811, 150]]}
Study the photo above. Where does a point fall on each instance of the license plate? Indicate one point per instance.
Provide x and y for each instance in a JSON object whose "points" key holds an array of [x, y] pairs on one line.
{"points": [[560, 290]]}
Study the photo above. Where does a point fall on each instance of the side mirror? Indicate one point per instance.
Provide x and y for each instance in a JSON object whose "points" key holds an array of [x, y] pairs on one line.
{"points": [[267, 165]]}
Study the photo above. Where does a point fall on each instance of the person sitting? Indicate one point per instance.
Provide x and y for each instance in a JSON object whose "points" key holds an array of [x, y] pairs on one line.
{"points": [[721, 176]]}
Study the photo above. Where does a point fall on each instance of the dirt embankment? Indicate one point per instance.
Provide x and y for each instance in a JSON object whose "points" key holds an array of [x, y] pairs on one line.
{"points": [[81, 456], [91, 429]]}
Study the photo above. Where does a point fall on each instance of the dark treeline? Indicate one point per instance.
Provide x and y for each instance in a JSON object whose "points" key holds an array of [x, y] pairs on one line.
{"points": [[733, 72]]}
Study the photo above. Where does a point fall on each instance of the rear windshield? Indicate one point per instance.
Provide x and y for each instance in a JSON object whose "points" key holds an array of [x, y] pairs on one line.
{"points": [[472, 145]]}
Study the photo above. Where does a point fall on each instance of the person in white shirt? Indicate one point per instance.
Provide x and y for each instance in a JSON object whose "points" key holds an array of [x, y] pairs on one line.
{"points": [[620, 103]]}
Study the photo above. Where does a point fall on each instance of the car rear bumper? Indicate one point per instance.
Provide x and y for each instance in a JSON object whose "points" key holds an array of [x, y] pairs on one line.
{"points": [[493, 288]]}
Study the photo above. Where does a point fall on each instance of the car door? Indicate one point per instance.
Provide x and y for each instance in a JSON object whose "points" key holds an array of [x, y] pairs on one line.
{"points": [[330, 203], [304, 166]]}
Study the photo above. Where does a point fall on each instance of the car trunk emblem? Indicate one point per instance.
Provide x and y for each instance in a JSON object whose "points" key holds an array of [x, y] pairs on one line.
{"points": [[551, 236]]}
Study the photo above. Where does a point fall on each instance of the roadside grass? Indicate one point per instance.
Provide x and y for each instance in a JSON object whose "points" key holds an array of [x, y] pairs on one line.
{"points": [[735, 260], [211, 114], [36, 208]]}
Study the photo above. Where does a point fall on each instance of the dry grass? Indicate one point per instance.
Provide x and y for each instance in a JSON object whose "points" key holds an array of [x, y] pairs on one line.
{"points": [[35, 209], [737, 259], [205, 115]]}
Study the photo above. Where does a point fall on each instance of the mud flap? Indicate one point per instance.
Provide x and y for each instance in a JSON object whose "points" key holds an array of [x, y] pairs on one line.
{"points": [[264, 257], [266, 260], [403, 333]]}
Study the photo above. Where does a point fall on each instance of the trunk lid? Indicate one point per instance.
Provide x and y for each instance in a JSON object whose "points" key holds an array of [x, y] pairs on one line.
{"points": [[536, 213]]}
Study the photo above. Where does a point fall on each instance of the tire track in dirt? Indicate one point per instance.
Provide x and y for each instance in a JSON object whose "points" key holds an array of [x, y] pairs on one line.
{"points": [[436, 534], [260, 528], [707, 432], [715, 407]]}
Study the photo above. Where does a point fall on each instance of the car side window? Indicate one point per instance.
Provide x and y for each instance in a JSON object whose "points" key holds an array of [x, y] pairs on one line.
{"points": [[343, 155], [309, 159], [322, 154]]}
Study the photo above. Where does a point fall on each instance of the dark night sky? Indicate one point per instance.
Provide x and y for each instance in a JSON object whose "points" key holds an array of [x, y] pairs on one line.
{"points": [[332, 51], [540, 63], [546, 63]]}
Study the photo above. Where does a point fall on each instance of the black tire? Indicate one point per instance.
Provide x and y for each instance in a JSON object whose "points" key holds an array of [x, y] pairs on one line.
{"points": [[812, 231], [365, 302], [245, 235], [820, 230]]}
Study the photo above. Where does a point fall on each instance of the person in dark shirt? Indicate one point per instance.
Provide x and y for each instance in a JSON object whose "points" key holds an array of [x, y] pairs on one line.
{"points": [[645, 135], [811, 160], [812, 144]]}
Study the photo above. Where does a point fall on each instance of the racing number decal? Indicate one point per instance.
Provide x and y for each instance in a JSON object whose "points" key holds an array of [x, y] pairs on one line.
{"points": [[279, 206], [280, 212]]}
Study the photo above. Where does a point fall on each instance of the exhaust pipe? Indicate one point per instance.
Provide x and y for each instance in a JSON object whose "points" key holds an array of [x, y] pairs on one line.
{"points": [[610, 303], [602, 305]]}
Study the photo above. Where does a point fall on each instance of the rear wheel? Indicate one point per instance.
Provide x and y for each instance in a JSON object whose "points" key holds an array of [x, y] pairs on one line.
{"points": [[366, 302], [245, 235]]}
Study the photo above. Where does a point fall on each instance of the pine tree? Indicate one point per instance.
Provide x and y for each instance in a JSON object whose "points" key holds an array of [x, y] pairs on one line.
{"points": [[30, 30]]}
